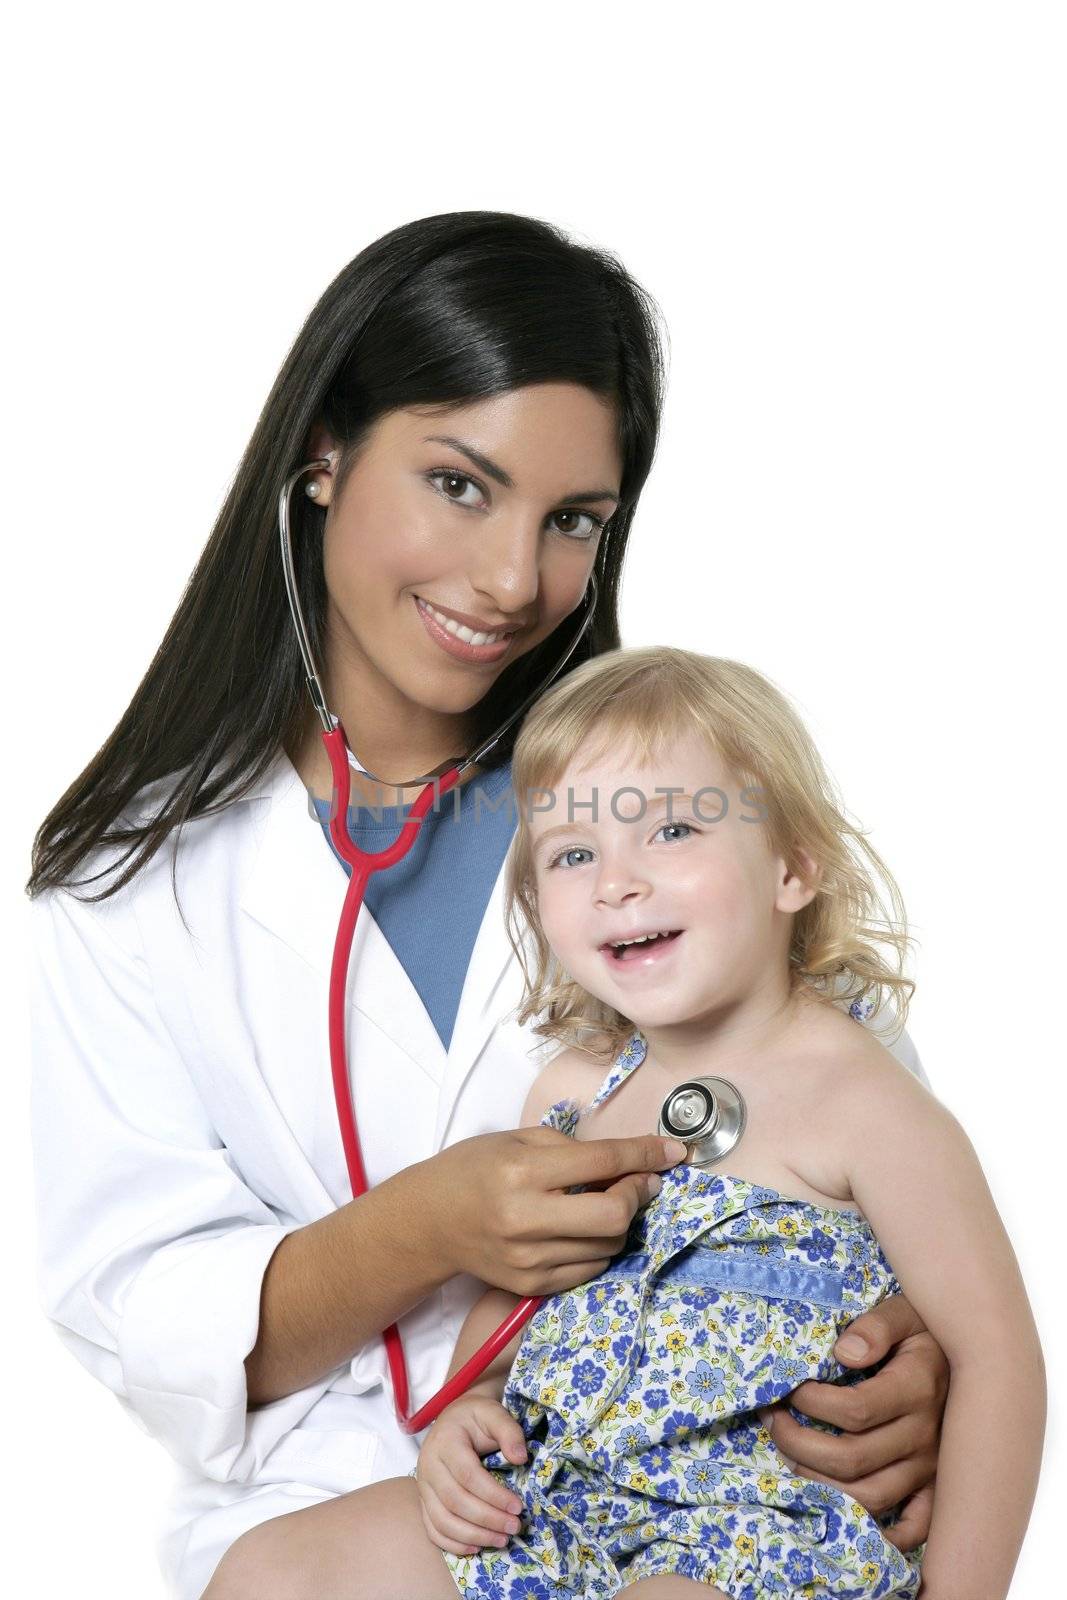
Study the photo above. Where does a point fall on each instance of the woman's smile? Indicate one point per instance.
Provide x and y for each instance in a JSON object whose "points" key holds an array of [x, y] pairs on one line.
{"points": [[460, 641]]}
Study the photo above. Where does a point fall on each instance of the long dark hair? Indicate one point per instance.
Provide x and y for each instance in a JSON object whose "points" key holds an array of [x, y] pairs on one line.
{"points": [[449, 308]]}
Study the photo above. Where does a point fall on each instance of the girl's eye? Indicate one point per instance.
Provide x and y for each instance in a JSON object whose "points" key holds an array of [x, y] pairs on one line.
{"points": [[571, 850], [687, 826]]}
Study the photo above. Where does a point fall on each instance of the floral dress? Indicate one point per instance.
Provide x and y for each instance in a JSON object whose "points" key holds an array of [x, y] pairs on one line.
{"points": [[637, 1395]]}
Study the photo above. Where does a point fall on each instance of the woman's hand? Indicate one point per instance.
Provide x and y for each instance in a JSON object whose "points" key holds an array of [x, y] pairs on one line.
{"points": [[463, 1505], [892, 1421], [497, 1205]]}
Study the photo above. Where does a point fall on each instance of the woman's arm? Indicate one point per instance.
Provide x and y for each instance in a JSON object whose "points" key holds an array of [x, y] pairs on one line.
{"points": [[921, 1186]]}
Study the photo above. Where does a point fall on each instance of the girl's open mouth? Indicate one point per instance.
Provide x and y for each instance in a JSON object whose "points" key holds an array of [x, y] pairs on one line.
{"points": [[643, 952]]}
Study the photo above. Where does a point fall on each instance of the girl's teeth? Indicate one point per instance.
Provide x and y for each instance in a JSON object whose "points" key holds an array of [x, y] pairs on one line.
{"points": [[459, 630]]}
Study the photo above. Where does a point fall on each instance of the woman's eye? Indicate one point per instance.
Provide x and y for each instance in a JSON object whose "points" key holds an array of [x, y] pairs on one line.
{"points": [[594, 524], [573, 850], [447, 483]]}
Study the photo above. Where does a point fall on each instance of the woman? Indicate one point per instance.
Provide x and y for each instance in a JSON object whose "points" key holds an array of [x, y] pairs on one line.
{"points": [[485, 398]]}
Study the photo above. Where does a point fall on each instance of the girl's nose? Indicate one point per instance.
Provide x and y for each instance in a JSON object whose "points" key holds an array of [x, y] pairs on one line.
{"points": [[619, 885]]}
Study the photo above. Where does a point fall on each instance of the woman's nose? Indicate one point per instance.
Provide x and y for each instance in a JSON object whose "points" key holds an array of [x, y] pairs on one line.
{"points": [[508, 572]]}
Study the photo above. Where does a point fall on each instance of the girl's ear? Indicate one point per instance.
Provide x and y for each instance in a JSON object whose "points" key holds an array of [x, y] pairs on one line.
{"points": [[798, 889]]}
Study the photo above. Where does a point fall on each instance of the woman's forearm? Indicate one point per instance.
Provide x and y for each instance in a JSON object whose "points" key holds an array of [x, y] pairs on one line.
{"points": [[987, 1471], [484, 1317], [333, 1285]]}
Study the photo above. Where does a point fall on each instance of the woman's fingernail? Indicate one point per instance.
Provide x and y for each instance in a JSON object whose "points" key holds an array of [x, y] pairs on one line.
{"points": [[674, 1149], [654, 1184], [850, 1344]]}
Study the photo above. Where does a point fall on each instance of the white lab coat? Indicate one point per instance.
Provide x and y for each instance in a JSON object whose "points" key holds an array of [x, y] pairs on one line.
{"points": [[184, 1123]]}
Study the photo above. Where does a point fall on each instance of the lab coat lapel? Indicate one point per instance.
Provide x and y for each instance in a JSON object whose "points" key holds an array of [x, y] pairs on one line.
{"points": [[296, 890], [494, 981]]}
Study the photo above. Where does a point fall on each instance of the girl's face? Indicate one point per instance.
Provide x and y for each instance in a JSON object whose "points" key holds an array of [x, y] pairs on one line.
{"points": [[491, 513], [714, 885]]}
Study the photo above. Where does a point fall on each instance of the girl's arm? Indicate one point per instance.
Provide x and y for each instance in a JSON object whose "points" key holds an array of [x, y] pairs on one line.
{"points": [[483, 1318], [920, 1185]]}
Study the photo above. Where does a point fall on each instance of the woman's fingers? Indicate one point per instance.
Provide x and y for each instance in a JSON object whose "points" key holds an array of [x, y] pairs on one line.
{"points": [[873, 1335], [876, 1492], [852, 1459], [913, 1384], [913, 1529], [564, 1162]]}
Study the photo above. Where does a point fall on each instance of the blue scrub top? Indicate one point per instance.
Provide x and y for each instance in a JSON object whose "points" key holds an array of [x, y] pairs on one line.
{"points": [[430, 904]]}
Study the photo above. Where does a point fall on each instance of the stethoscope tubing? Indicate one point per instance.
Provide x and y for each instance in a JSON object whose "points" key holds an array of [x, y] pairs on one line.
{"points": [[364, 864]]}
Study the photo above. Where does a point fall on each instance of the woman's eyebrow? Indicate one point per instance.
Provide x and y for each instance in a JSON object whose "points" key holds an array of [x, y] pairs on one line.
{"points": [[491, 470]]}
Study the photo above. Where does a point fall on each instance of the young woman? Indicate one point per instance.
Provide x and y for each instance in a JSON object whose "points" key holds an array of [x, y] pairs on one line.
{"points": [[485, 397]]}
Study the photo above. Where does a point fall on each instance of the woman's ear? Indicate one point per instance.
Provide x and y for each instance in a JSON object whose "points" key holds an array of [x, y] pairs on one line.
{"points": [[798, 889], [322, 443]]}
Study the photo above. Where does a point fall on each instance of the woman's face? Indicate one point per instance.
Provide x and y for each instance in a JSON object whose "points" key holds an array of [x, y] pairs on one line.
{"points": [[491, 513]]}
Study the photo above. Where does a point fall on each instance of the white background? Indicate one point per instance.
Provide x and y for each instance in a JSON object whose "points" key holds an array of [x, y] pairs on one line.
{"points": [[853, 220]]}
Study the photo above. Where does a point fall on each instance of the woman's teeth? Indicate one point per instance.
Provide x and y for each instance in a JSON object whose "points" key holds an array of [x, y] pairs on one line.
{"points": [[466, 634]]}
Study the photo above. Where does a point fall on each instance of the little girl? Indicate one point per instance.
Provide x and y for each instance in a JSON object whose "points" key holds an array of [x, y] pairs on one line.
{"points": [[697, 906]]}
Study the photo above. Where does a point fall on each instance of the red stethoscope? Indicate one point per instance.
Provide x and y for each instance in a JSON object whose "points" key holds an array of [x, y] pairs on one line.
{"points": [[363, 864]]}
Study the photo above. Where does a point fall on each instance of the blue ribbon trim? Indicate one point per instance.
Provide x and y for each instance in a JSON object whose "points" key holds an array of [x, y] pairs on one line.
{"points": [[719, 1269]]}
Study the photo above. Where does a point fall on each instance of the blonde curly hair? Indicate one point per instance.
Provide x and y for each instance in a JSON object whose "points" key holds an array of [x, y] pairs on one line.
{"points": [[848, 944]]}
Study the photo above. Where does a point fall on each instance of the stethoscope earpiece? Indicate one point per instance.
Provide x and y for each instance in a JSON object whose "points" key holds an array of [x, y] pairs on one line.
{"points": [[707, 1114]]}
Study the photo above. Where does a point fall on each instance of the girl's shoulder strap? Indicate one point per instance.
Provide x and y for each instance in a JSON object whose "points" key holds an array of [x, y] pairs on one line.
{"points": [[630, 1056]]}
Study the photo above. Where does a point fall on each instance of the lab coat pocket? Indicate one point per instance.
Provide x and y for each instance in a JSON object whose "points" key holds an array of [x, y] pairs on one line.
{"points": [[334, 1460]]}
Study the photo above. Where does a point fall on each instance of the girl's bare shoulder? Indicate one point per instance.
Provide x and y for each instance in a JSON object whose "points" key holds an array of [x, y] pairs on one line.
{"points": [[572, 1074]]}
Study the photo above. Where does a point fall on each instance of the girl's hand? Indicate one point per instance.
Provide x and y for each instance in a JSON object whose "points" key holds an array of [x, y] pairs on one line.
{"points": [[463, 1505], [892, 1421], [497, 1205]]}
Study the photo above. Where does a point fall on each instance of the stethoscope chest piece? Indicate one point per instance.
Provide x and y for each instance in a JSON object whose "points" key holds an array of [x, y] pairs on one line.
{"points": [[707, 1114]]}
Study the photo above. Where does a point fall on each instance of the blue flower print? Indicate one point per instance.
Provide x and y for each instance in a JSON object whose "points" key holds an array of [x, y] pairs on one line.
{"points": [[597, 1295], [819, 1246], [587, 1377], [702, 1476], [637, 1396], [706, 1381], [632, 1440]]}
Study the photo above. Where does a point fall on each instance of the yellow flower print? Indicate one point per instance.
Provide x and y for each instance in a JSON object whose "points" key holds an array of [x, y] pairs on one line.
{"points": [[745, 1544], [601, 1343], [762, 1436], [634, 1407], [767, 1482], [668, 1317], [550, 1394], [676, 1340], [641, 1482], [871, 1573], [612, 1412], [788, 1225]]}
